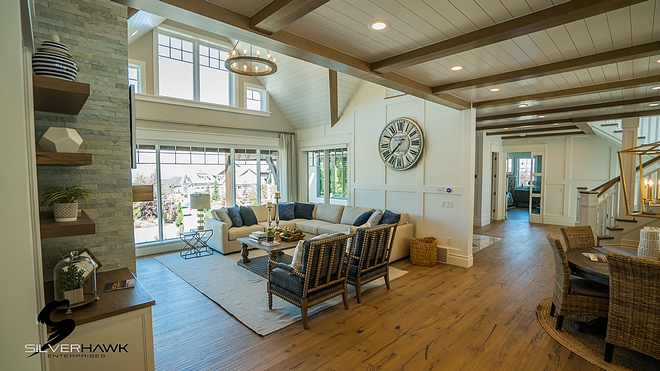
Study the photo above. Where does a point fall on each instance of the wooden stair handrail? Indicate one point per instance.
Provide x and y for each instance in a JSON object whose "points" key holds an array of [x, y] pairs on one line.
{"points": [[610, 183]]}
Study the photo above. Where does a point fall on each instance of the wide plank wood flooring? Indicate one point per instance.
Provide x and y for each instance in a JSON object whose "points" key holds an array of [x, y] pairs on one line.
{"points": [[442, 318]]}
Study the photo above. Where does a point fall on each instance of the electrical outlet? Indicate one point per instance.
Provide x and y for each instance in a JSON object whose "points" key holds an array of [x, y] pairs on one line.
{"points": [[441, 189], [444, 204], [448, 241], [450, 204]]}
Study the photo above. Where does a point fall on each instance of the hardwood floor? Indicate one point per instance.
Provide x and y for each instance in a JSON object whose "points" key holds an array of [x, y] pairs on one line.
{"points": [[444, 317]]}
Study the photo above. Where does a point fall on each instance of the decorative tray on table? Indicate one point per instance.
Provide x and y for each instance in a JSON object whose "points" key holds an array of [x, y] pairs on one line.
{"points": [[293, 237]]}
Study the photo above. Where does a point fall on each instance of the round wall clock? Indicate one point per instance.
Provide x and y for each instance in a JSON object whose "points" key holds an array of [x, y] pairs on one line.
{"points": [[401, 143]]}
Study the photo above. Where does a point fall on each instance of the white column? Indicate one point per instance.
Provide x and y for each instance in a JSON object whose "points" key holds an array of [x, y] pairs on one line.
{"points": [[578, 220], [630, 127], [589, 210]]}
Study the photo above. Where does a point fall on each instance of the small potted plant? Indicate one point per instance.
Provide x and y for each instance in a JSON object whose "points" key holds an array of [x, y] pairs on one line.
{"points": [[270, 235], [64, 200], [71, 283]]}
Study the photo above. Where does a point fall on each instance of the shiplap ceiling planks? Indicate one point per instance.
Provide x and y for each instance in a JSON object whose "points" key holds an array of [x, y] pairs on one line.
{"points": [[342, 25], [141, 23]]}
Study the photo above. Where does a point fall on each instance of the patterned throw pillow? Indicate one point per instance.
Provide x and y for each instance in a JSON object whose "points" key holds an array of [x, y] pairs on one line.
{"points": [[247, 215], [221, 215], [296, 260], [390, 218], [286, 211], [374, 219], [234, 213]]}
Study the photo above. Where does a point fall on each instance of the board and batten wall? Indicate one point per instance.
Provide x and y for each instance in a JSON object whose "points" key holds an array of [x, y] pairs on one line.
{"points": [[570, 162], [448, 161]]}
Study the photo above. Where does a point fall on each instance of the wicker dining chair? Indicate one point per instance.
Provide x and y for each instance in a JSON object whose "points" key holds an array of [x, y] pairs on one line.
{"points": [[370, 257], [634, 316], [578, 237], [322, 275], [574, 295]]}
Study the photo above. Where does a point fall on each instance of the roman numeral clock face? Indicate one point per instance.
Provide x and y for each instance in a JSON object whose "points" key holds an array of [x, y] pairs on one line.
{"points": [[401, 144]]}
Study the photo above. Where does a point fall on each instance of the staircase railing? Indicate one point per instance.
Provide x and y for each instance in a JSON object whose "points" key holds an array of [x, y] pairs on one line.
{"points": [[599, 207]]}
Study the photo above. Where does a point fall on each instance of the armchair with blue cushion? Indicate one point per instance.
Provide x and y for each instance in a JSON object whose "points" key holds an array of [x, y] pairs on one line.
{"points": [[321, 276], [370, 256]]}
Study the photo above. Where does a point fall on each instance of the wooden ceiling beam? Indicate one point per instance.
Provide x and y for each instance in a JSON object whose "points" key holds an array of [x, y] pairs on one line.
{"points": [[280, 13], [334, 105], [131, 12], [535, 130], [578, 132], [570, 108], [599, 59], [523, 123], [630, 83], [213, 18], [547, 18]]}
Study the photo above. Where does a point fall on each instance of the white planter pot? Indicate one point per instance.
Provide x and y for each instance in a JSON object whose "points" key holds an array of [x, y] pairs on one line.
{"points": [[65, 212], [74, 296]]}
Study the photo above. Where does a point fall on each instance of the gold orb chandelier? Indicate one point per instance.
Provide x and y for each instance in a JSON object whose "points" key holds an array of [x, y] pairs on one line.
{"points": [[250, 63]]}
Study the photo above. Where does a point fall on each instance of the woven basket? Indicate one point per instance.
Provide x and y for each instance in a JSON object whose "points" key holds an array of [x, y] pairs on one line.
{"points": [[424, 251]]}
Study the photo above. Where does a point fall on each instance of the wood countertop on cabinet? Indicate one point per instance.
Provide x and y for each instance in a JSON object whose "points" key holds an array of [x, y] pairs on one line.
{"points": [[110, 303]]}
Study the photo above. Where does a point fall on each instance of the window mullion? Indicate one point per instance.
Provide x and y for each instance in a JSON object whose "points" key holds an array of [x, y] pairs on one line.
{"points": [[159, 200], [196, 73], [258, 177], [326, 176]]}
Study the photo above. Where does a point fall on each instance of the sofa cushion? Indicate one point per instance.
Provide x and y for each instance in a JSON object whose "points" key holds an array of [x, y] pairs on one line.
{"points": [[283, 223], [351, 213], [363, 218], [287, 211], [405, 217], [221, 215], [247, 215], [374, 219], [234, 213], [311, 226], [261, 212], [333, 228], [244, 231], [329, 213], [390, 218], [304, 210]]}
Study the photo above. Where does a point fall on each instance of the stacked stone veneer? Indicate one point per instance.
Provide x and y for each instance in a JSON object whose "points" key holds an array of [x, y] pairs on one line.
{"points": [[95, 33]]}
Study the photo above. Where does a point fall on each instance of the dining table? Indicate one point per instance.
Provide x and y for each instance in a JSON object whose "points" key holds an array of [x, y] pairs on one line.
{"points": [[580, 263]]}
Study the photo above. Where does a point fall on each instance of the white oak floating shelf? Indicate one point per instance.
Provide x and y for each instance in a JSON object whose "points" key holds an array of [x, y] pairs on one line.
{"points": [[64, 159], [59, 96]]}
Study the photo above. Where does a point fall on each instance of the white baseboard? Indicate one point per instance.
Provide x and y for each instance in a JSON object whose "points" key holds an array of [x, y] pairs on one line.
{"points": [[459, 260], [558, 220], [480, 222], [158, 248]]}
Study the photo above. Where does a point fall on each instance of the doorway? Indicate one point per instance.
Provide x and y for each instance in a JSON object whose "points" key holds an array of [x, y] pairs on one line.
{"points": [[524, 181]]}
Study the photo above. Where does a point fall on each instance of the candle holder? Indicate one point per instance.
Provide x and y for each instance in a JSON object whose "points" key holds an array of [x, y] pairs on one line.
{"points": [[277, 213], [269, 206]]}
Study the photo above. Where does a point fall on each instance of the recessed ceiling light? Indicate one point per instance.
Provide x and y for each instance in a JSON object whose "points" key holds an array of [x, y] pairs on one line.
{"points": [[133, 33], [378, 25], [522, 135], [522, 105], [541, 116], [457, 68], [555, 124], [495, 89], [506, 128], [656, 88], [653, 104], [658, 61]]}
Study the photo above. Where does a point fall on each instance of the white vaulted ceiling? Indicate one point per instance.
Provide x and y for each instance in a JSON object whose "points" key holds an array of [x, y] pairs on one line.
{"points": [[571, 61]]}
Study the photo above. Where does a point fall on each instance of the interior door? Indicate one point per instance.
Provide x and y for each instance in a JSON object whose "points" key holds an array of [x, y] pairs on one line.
{"points": [[494, 204], [536, 189]]}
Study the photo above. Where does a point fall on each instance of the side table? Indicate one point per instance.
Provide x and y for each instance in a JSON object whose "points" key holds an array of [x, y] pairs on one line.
{"points": [[196, 243]]}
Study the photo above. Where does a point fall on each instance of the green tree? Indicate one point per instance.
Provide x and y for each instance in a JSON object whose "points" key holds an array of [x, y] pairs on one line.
{"points": [[179, 218], [215, 196]]}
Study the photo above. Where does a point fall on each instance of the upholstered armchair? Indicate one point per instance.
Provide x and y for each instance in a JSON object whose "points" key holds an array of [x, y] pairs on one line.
{"points": [[321, 276], [572, 294], [634, 316], [370, 256]]}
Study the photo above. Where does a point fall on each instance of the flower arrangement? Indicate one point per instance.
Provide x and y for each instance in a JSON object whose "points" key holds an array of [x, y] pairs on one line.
{"points": [[289, 234]]}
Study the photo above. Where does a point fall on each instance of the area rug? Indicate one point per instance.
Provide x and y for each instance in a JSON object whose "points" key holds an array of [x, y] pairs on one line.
{"points": [[591, 347], [243, 293], [480, 242]]}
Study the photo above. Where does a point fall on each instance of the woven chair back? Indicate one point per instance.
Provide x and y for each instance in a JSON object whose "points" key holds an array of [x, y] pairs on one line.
{"points": [[578, 237], [562, 273], [634, 313], [323, 261]]}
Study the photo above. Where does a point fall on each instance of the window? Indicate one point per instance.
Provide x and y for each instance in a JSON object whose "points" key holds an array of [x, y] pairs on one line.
{"points": [[178, 171], [524, 172], [393, 93], [256, 99], [328, 169], [135, 76], [192, 69], [509, 165]]}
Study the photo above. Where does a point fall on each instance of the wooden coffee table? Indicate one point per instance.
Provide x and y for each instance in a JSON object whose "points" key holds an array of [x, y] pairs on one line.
{"points": [[259, 265]]}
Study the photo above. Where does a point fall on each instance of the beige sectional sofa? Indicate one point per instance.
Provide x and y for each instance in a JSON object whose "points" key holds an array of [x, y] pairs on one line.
{"points": [[325, 219]]}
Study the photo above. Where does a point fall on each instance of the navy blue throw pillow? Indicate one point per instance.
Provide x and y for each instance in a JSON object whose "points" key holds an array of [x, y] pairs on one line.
{"points": [[303, 210], [247, 214], [234, 213], [286, 211], [390, 218], [362, 218]]}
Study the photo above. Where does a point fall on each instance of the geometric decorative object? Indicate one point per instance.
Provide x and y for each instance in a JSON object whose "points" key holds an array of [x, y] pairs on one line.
{"points": [[200, 201], [61, 140], [645, 198], [250, 64], [649, 243]]}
